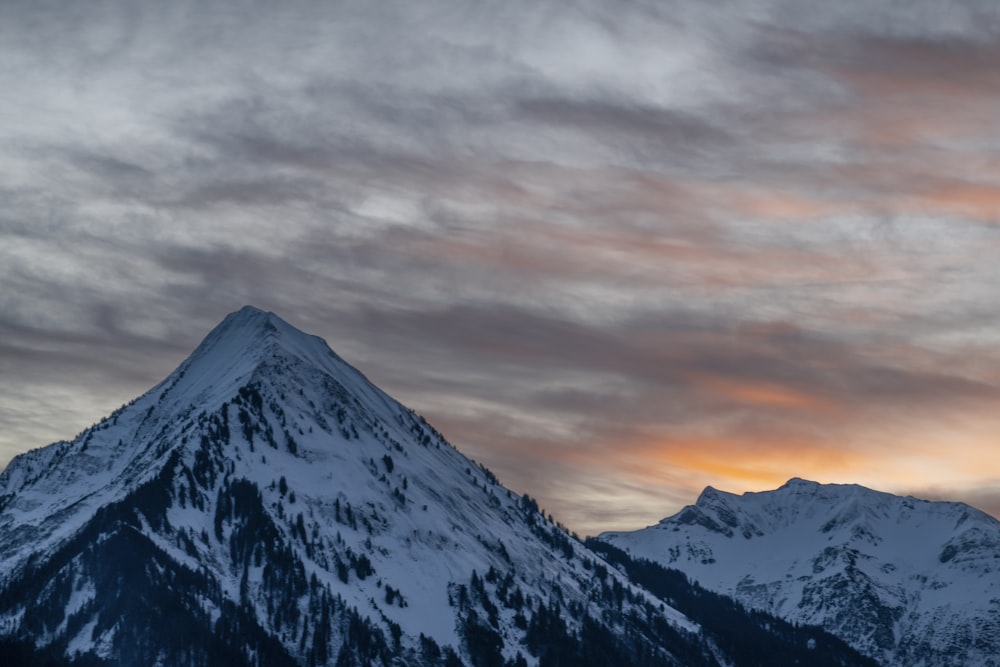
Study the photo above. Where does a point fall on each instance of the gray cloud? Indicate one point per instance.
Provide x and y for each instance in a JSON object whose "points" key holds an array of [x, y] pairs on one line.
{"points": [[589, 241]]}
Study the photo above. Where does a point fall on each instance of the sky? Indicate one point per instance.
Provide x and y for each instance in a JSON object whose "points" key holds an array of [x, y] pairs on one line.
{"points": [[614, 250]]}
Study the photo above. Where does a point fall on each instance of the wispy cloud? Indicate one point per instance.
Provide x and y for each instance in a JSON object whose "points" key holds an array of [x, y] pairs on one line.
{"points": [[617, 251]]}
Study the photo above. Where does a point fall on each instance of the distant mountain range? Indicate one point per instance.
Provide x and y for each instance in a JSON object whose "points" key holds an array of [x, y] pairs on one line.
{"points": [[908, 582], [267, 505]]}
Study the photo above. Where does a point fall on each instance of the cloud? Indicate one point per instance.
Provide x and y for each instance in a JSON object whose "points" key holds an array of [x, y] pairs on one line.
{"points": [[635, 248], [648, 400]]}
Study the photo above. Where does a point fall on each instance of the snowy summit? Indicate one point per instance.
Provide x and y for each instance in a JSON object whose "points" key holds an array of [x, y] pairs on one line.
{"points": [[266, 504], [906, 581]]}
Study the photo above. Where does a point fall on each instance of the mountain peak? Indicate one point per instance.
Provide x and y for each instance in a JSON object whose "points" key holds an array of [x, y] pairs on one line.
{"points": [[249, 317], [898, 578], [250, 324], [799, 484], [711, 496], [250, 311], [266, 477], [240, 345]]}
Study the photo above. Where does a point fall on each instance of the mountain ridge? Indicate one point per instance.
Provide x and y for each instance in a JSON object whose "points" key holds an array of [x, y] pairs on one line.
{"points": [[903, 580], [266, 503]]}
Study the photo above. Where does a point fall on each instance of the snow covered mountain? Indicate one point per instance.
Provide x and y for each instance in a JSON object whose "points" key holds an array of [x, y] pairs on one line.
{"points": [[267, 505], [908, 582]]}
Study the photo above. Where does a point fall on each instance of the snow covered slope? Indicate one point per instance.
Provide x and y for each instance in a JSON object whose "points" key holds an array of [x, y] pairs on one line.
{"points": [[266, 504], [908, 582]]}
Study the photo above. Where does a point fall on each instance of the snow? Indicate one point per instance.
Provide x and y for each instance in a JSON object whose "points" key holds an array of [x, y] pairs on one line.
{"points": [[775, 550], [82, 642], [453, 520]]}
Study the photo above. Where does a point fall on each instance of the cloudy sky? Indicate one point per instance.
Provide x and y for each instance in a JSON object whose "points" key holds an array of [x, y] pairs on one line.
{"points": [[616, 251]]}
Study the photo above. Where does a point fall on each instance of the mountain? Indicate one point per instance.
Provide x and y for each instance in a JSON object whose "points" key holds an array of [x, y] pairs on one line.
{"points": [[267, 505], [908, 582]]}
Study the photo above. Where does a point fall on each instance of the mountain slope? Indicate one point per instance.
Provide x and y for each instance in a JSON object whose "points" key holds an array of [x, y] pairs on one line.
{"points": [[906, 581], [266, 504]]}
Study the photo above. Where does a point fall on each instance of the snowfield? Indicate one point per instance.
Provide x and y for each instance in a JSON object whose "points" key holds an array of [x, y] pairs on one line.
{"points": [[906, 581]]}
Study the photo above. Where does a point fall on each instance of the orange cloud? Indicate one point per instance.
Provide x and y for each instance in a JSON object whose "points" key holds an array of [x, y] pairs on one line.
{"points": [[979, 201], [779, 206], [893, 457], [655, 255], [764, 394], [736, 463], [674, 464]]}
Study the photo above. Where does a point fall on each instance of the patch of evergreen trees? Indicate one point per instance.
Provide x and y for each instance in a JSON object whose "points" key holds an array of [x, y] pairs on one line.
{"points": [[749, 638]]}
